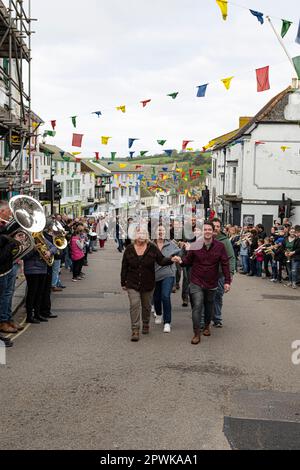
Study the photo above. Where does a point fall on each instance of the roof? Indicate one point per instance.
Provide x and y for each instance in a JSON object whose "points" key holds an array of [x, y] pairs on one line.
{"points": [[114, 167], [56, 152], [273, 111], [99, 170]]}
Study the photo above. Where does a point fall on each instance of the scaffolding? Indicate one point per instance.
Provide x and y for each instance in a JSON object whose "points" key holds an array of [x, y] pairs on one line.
{"points": [[15, 94]]}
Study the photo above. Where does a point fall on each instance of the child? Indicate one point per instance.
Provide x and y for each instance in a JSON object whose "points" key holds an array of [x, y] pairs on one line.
{"points": [[259, 258]]}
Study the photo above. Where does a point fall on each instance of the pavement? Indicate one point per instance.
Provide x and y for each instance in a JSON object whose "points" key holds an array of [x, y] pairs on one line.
{"points": [[78, 382]]}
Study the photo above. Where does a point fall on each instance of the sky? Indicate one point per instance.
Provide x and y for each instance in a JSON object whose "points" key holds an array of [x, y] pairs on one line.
{"points": [[99, 54]]}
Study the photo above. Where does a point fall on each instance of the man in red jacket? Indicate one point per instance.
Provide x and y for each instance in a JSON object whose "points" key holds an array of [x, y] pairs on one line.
{"points": [[205, 264]]}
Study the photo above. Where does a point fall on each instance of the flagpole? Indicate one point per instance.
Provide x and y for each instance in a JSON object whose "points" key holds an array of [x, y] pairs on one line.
{"points": [[281, 43]]}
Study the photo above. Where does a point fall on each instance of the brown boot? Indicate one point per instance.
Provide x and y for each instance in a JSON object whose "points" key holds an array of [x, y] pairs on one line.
{"points": [[16, 326], [206, 331], [196, 338], [6, 328], [135, 335], [146, 328]]}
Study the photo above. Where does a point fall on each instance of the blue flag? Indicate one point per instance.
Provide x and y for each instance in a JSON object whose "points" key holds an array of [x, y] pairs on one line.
{"points": [[202, 90], [168, 152], [259, 16], [98, 113], [140, 177], [130, 142], [165, 168], [131, 154], [298, 35]]}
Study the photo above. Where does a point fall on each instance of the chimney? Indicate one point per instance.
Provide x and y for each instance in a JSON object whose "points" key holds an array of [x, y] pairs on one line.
{"points": [[295, 84], [244, 120]]}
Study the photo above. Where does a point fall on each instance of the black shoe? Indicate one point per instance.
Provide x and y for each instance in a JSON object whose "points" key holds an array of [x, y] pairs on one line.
{"points": [[63, 287], [42, 319], [185, 304], [33, 321], [51, 316], [8, 342], [218, 324]]}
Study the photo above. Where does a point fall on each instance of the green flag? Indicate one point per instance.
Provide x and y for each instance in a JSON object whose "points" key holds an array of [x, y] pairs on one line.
{"points": [[74, 120], [50, 133], [143, 152], [173, 95], [66, 159], [113, 156], [296, 61], [161, 142], [285, 27], [73, 174]]}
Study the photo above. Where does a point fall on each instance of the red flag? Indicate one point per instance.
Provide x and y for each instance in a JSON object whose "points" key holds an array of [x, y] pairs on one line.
{"points": [[262, 77], [97, 155], [145, 102], [185, 144], [191, 172], [138, 167], [78, 159], [183, 174], [53, 124], [77, 140]]}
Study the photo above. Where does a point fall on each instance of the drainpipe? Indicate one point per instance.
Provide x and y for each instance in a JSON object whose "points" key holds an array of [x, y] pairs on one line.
{"points": [[224, 178]]}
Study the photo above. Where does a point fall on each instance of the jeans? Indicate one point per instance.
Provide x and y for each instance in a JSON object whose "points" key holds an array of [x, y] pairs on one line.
{"points": [[162, 297], [245, 263], [277, 270], [218, 304], [295, 270], [186, 283], [68, 261], [259, 268], [55, 272], [202, 298], [7, 288]]}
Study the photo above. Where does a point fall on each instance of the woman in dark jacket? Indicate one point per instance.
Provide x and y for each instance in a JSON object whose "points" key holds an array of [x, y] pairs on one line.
{"points": [[138, 278]]}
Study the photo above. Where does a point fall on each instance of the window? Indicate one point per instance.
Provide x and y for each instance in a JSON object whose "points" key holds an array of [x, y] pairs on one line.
{"points": [[68, 168], [233, 185], [62, 185], [69, 188], [83, 178], [77, 188], [130, 191], [114, 194], [123, 192], [214, 168], [90, 193]]}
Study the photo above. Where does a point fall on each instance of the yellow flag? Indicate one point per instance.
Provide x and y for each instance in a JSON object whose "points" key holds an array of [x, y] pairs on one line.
{"points": [[76, 153], [105, 139], [190, 149], [284, 148], [223, 4], [34, 124], [121, 108], [123, 165], [227, 82]]}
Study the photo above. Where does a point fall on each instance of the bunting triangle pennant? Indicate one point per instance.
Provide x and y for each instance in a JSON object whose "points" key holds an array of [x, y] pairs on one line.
{"points": [[223, 4], [202, 90], [145, 102], [76, 153], [97, 156], [161, 142], [74, 120], [49, 134], [285, 27], [284, 148], [262, 77], [143, 152], [258, 15], [105, 139], [53, 124], [173, 95], [189, 149], [62, 153], [298, 35], [77, 140], [113, 156], [169, 152], [131, 142], [122, 165], [121, 108], [98, 113], [131, 155], [227, 82], [296, 62], [185, 143]]}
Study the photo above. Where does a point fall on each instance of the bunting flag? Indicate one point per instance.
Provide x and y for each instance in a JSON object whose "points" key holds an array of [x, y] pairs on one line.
{"points": [[173, 95], [53, 124], [201, 90], [296, 62], [105, 139], [73, 175], [262, 77], [76, 153], [78, 159], [284, 148], [161, 142], [169, 152], [298, 35], [131, 142], [122, 165], [145, 102], [97, 156], [138, 167], [191, 171], [34, 124], [121, 108], [143, 152], [259, 15], [190, 149], [185, 143], [285, 27], [77, 140], [98, 113], [74, 120], [227, 82], [49, 134], [110, 163], [62, 153], [131, 155], [113, 156], [165, 168], [223, 4]]}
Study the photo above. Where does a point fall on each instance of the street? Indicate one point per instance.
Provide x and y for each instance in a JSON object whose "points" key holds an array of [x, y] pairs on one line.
{"points": [[79, 383]]}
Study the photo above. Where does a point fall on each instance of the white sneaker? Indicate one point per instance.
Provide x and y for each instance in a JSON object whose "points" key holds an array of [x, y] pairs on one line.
{"points": [[158, 320], [153, 311], [167, 328]]}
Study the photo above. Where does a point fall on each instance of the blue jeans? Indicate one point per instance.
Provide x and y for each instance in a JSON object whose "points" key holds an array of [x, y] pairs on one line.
{"points": [[219, 300], [162, 297], [7, 288], [202, 299], [245, 263], [258, 268], [295, 270], [55, 272]]}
